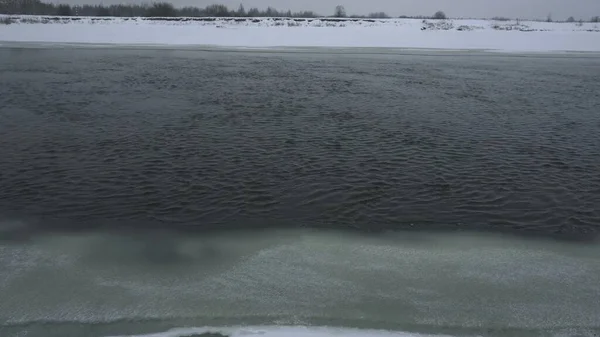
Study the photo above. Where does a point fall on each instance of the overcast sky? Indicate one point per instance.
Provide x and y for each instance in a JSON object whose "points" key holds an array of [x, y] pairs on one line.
{"points": [[560, 9]]}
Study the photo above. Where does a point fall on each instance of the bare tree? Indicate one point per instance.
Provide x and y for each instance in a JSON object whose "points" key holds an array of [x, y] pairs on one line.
{"points": [[161, 9], [378, 15], [64, 10], [340, 11], [549, 17], [595, 19], [439, 15], [571, 19], [241, 10], [217, 10]]}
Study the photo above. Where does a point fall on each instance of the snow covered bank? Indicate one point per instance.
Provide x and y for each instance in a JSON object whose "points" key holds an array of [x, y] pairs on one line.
{"points": [[523, 36]]}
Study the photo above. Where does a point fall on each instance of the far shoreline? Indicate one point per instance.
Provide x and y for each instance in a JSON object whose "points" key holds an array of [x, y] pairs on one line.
{"points": [[334, 50]]}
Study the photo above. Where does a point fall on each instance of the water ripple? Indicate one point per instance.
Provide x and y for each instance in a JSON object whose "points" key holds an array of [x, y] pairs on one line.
{"points": [[227, 140]]}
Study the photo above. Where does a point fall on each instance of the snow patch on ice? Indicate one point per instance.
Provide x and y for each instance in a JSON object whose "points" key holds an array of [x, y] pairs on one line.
{"points": [[278, 331]]}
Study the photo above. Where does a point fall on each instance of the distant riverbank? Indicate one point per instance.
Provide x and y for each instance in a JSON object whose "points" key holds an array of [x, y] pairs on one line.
{"points": [[512, 36]]}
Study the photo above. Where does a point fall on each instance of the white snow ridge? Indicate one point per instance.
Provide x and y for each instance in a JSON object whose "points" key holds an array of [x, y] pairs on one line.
{"points": [[510, 36]]}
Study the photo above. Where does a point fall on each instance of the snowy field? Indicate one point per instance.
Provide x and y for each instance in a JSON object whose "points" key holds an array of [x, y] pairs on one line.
{"points": [[511, 36]]}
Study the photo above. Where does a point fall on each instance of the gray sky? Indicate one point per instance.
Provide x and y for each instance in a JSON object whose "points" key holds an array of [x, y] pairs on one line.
{"points": [[560, 9]]}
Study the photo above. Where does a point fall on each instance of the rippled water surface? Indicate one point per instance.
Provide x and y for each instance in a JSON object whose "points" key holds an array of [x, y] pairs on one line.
{"points": [[215, 139]]}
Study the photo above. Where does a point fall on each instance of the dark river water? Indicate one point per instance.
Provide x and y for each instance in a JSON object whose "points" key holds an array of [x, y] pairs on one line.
{"points": [[114, 156], [195, 140]]}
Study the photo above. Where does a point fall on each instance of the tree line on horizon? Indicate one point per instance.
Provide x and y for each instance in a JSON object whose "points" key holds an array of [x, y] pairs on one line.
{"points": [[157, 9], [166, 9]]}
